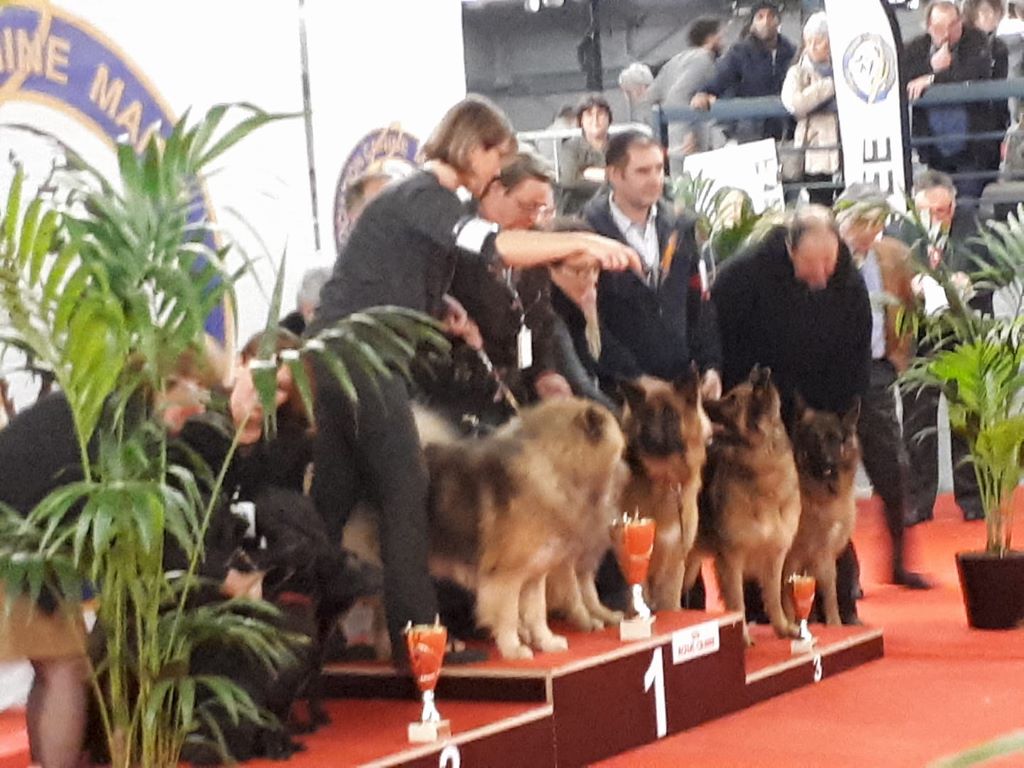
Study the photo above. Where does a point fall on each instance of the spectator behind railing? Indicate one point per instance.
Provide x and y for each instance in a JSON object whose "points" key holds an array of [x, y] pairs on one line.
{"points": [[754, 66], [809, 94], [635, 81], [950, 52], [582, 158], [679, 80], [985, 15]]}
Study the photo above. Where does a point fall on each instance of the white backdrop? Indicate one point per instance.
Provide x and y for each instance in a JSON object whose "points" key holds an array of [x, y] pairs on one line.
{"points": [[372, 64]]}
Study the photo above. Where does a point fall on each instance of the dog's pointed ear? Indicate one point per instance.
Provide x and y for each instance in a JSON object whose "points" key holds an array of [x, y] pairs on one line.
{"points": [[688, 384], [760, 376], [592, 421], [852, 415], [632, 392]]}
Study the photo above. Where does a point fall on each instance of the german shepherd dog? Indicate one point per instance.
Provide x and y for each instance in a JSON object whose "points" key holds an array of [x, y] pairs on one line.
{"points": [[750, 505], [667, 432], [536, 496], [827, 452]]}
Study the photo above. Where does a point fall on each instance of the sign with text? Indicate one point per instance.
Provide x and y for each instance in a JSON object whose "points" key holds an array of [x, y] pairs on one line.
{"points": [[752, 167], [865, 61], [696, 641]]}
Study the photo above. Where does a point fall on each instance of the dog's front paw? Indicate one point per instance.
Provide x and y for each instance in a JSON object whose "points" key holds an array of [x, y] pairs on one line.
{"points": [[613, 618], [553, 644], [584, 622], [512, 650], [787, 629]]}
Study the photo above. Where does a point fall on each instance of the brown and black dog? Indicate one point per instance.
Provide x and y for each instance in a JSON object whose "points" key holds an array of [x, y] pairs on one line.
{"points": [[667, 432], [750, 505], [536, 496], [827, 452]]}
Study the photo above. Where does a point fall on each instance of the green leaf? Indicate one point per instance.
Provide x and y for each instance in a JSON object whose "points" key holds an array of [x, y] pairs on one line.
{"points": [[256, 119]]}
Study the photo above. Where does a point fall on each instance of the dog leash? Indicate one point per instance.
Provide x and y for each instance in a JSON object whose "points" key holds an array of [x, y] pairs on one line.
{"points": [[503, 389]]}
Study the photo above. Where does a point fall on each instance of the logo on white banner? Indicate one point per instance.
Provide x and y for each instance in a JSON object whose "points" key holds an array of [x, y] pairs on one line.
{"points": [[694, 642], [869, 66]]}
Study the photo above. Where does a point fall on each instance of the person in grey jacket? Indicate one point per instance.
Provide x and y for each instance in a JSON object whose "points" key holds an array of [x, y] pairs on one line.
{"points": [[677, 82]]}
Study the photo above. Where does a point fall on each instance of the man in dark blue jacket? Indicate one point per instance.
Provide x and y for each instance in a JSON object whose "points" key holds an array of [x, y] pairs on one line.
{"points": [[755, 65], [663, 319]]}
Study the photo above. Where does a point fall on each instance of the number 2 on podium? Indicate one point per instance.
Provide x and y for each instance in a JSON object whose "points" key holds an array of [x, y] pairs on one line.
{"points": [[655, 677]]}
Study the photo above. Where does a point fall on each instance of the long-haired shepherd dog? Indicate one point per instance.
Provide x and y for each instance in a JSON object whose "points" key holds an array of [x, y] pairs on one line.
{"points": [[536, 496], [827, 452], [750, 504], [667, 432]]}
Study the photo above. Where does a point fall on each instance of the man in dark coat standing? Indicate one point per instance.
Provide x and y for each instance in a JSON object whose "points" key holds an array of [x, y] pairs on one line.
{"points": [[664, 319], [949, 52], [796, 302], [756, 65], [661, 323]]}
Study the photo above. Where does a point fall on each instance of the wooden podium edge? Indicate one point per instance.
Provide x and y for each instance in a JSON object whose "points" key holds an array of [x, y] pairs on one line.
{"points": [[541, 712], [802, 670]]}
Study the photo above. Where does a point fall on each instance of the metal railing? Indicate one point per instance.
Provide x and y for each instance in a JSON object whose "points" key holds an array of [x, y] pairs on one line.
{"points": [[950, 94]]}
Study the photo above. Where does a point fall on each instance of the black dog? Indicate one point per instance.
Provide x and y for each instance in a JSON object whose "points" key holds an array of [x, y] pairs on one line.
{"points": [[312, 582]]}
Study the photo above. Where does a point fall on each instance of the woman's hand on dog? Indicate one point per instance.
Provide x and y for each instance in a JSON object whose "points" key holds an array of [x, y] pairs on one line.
{"points": [[459, 324], [247, 584], [551, 385]]}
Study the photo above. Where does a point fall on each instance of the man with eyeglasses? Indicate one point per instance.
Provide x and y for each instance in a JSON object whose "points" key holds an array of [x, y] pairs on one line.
{"points": [[512, 361], [935, 200], [664, 317]]}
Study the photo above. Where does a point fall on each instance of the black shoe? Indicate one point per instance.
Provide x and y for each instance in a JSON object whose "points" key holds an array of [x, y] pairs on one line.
{"points": [[973, 515], [911, 580]]}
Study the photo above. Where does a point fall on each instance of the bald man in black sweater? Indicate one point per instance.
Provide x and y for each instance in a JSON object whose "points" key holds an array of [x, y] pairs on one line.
{"points": [[796, 302]]}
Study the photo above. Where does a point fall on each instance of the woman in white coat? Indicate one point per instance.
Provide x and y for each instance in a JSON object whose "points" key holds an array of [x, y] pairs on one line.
{"points": [[809, 94]]}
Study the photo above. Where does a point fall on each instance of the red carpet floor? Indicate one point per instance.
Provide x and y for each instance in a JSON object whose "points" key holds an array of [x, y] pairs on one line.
{"points": [[941, 687]]}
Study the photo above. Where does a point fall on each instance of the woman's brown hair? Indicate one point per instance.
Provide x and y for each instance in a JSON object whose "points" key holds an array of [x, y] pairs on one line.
{"points": [[292, 411], [472, 122]]}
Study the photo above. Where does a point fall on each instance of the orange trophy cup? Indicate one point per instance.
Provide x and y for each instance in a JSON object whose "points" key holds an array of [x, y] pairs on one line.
{"points": [[634, 546], [426, 644], [802, 587]]}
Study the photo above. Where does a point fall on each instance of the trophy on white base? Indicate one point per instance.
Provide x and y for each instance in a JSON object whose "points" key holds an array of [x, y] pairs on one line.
{"points": [[803, 602], [634, 540], [426, 644]]}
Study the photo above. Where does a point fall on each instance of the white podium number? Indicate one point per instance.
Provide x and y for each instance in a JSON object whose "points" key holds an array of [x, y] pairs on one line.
{"points": [[450, 757], [655, 677], [819, 671]]}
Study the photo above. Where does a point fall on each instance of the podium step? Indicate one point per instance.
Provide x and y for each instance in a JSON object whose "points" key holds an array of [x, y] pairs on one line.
{"points": [[608, 696], [372, 732]]}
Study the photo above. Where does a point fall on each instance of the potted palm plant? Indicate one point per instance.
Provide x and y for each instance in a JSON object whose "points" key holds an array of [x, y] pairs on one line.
{"points": [[725, 217], [106, 290], [977, 361]]}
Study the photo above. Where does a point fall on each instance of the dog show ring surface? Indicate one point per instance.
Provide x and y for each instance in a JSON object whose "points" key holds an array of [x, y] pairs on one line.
{"points": [[601, 697]]}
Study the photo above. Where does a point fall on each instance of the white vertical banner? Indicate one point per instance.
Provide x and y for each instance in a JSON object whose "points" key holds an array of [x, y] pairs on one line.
{"points": [[382, 73], [865, 63]]}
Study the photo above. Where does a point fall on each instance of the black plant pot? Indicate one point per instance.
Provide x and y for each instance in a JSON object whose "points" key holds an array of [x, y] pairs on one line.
{"points": [[993, 589]]}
